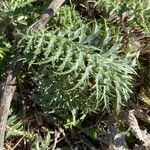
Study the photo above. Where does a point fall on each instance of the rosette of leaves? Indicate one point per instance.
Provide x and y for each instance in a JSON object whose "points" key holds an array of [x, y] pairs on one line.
{"points": [[79, 66]]}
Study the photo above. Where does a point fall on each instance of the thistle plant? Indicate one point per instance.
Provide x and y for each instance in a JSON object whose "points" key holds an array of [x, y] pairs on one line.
{"points": [[18, 13], [87, 72], [134, 13], [10, 6]]}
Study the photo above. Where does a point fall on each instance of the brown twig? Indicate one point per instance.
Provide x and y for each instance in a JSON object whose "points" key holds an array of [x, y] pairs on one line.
{"points": [[57, 135], [47, 15], [135, 129], [18, 143], [7, 95], [10, 84]]}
